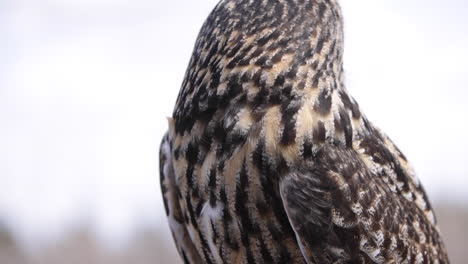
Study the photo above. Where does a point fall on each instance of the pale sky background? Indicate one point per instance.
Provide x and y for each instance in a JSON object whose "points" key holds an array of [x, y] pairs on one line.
{"points": [[86, 85]]}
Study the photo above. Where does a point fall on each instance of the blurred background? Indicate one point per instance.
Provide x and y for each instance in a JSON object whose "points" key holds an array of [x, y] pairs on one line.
{"points": [[86, 85]]}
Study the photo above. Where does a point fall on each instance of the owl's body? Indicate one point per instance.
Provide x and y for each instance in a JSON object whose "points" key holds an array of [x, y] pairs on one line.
{"points": [[268, 159]]}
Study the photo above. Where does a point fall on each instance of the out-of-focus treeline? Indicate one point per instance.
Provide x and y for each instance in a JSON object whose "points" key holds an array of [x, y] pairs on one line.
{"points": [[80, 246], [152, 247]]}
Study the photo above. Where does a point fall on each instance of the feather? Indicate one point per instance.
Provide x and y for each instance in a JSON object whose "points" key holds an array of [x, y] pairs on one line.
{"points": [[269, 159]]}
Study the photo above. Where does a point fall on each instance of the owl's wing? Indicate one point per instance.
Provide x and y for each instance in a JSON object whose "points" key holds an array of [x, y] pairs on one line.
{"points": [[170, 193], [351, 206]]}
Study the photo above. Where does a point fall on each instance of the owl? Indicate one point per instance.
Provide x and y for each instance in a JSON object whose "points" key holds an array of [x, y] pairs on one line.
{"points": [[268, 159]]}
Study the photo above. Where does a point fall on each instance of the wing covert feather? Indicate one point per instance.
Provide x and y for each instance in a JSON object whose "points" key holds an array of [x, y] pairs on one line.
{"points": [[343, 211]]}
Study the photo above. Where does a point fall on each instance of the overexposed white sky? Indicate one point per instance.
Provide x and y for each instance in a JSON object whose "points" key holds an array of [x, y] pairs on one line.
{"points": [[86, 85]]}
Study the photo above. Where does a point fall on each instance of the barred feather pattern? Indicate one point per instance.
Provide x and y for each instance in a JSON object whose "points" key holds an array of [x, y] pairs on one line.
{"points": [[268, 159]]}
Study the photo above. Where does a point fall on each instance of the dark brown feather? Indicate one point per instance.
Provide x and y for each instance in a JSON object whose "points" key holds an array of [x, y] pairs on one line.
{"points": [[268, 159]]}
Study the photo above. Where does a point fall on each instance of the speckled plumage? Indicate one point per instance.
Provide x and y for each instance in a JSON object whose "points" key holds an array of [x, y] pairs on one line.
{"points": [[268, 159]]}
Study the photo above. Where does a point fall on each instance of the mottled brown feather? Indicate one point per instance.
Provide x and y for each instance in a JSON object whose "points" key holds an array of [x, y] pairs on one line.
{"points": [[268, 159]]}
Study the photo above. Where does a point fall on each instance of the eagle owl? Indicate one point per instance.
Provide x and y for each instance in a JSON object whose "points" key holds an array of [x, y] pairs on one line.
{"points": [[268, 159]]}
